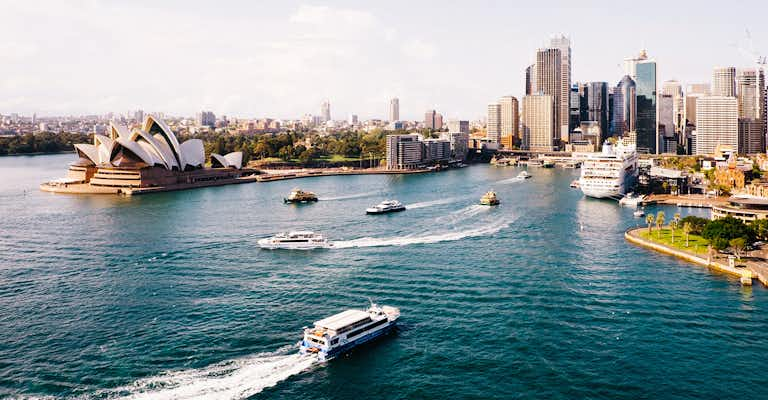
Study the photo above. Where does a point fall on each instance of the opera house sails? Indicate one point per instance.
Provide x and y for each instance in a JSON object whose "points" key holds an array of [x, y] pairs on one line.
{"points": [[148, 158]]}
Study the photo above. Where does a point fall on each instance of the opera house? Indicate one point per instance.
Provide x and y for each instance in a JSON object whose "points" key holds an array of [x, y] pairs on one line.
{"points": [[148, 158]]}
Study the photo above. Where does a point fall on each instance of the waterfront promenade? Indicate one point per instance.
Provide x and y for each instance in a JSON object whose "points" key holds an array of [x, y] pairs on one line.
{"points": [[752, 266], [690, 200]]}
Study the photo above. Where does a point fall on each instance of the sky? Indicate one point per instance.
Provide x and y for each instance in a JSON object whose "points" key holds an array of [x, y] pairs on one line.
{"points": [[281, 59]]}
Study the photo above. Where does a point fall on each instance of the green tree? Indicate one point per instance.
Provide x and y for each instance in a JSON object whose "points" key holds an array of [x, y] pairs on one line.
{"points": [[649, 220], [738, 245], [672, 227], [659, 222], [760, 227], [285, 152], [697, 223], [687, 228], [726, 229]]}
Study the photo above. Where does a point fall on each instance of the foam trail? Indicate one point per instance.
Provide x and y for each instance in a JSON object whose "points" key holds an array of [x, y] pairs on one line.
{"points": [[347, 197], [233, 379], [510, 180], [422, 239], [425, 204]]}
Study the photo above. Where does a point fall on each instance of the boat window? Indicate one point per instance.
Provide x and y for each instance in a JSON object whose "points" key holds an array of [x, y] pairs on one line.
{"points": [[371, 326], [334, 341], [354, 325]]}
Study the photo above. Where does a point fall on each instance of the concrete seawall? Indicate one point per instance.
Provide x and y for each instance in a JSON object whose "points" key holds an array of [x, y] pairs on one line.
{"points": [[632, 236]]}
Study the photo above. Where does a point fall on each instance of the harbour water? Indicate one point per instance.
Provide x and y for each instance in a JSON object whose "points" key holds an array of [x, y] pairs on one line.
{"points": [[168, 296]]}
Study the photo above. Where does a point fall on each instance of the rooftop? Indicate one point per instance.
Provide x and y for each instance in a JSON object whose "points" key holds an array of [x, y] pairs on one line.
{"points": [[342, 319]]}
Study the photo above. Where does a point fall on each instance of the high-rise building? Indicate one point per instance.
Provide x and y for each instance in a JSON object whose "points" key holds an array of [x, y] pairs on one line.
{"points": [[138, 116], [325, 111], [717, 123], [433, 120], [675, 89], [352, 120], [548, 78], [394, 109], [575, 107], [563, 44], [597, 106], [694, 91], [457, 126], [666, 115], [493, 123], [647, 122], [752, 110], [404, 151], [459, 142], [539, 123], [438, 121], [624, 107], [630, 64], [510, 116], [206, 118], [724, 82], [530, 79]]}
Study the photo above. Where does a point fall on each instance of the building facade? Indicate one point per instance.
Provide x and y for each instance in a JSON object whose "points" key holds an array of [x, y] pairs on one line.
{"points": [[510, 117], [563, 44], [404, 151], [493, 123], [624, 107], [548, 81], [647, 123], [538, 124], [751, 92], [724, 82], [394, 109], [717, 123]]}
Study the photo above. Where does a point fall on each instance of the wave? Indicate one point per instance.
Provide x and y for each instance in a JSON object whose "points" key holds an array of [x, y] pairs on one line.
{"points": [[431, 203], [347, 197], [232, 379], [423, 238]]}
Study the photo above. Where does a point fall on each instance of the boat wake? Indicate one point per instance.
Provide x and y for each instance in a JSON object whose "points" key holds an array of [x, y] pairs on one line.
{"points": [[423, 238], [510, 180], [232, 379], [347, 197], [425, 204]]}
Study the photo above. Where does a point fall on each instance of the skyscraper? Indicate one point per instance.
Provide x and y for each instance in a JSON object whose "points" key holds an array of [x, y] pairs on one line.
{"points": [[493, 123], [717, 123], [666, 115], [139, 116], [752, 110], [433, 120], [394, 109], [575, 107], [510, 116], [724, 82], [675, 89], [563, 44], [630, 64], [597, 106], [539, 122], [647, 123], [530, 79], [206, 118], [694, 91], [548, 78], [624, 107], [325, 111]]}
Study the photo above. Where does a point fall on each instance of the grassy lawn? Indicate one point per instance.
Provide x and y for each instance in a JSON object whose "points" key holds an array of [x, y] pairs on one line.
{"points": [[339, 158], [696, 244]]}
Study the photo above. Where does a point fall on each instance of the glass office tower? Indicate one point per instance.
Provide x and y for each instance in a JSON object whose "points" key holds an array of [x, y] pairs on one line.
{"points": [[647, 125]]}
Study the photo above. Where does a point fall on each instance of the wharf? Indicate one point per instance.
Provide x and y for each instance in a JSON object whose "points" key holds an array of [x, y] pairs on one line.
{"points": [[694, 201], [277, 175], [718, 263]]}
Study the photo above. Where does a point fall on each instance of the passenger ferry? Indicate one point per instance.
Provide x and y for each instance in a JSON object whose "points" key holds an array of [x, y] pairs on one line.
{"points": [[489, 199], [340, 333], [524, 175], [610, 173], [386, 206], [300, 196], [297, 240]]}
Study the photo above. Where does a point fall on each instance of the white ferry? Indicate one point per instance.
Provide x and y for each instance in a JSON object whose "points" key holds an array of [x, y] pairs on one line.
{"points": [[386, 206], [297, 240], [524, 175], [610, 173], [341, 332]]}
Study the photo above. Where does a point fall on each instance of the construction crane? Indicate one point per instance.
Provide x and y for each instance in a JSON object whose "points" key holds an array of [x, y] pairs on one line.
{"points": [[750, 52]]}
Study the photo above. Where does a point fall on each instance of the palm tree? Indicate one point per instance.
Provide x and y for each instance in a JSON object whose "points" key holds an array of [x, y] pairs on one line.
{"points": [[672, 226], [659, 222], [676, 217], [649, 220], [687, 228]]}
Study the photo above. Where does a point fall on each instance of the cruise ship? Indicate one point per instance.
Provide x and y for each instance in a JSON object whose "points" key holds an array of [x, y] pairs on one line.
{"points": [[610, 173], [340, 333], [297, 240]]}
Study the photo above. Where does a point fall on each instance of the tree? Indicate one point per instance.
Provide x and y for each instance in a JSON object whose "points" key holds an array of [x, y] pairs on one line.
{"points": [[649, 220], [308, 155], [738, 244], [726, 229], [659, 222], [760, 227], [286, 152], [687, 228], [672, 226], [697, 223]]}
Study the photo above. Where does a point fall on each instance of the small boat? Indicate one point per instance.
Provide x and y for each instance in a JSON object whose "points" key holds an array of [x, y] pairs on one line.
{"points": [[386, 206], [300, 196], [575, 184], [639, 213], [346, 330], [489, 199], [524, 175], [296, 240], [631, 200]]}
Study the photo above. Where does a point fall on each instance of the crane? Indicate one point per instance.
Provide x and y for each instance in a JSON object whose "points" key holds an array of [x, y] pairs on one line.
{"points": [[750, 52]]}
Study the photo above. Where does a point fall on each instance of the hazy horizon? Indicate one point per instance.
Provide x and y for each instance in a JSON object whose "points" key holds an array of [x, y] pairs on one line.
{"points": [[283, 59]]}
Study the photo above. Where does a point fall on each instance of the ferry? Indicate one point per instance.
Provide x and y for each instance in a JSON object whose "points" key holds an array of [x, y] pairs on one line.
{"points": [[300, 196], [631, 200], [296, 240], [548, 164], [524, 175], [610, 173], [346, 330], [386, 206], [489, 199], [639, 213]]}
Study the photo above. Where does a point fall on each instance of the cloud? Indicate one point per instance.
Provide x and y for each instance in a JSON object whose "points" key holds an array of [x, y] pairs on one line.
{"points": [[417, 48]]}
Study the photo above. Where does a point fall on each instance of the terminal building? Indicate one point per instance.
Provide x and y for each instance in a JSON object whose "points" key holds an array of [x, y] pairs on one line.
{"points": [[148, 156]]}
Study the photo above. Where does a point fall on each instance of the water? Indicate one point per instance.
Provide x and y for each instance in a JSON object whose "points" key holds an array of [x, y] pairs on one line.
{"points": [[167, 296]]}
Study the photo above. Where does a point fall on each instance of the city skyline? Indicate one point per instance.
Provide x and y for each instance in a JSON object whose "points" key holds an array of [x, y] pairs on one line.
{"points": [[282, 60]]}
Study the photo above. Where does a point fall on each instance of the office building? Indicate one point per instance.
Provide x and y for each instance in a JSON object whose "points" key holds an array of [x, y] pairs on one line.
{"points": [[563, 44], [624, 107], [493, 123], [548, 81], [694, 91], [459, 142], [352, 120], [574, 102], [751, 93], [630, 64], [530, 79], [717, 123], [666, 115], [206, 118], [433, 120], [404, 151], [325, 111], [510, 117], [724, 82], [647, 122], [675, 89], [394, 109], [597, 106], [538, 123], [436, 150]]}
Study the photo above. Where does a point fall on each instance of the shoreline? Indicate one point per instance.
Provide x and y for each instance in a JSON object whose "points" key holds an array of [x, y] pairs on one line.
{"points": [[744, 273]]}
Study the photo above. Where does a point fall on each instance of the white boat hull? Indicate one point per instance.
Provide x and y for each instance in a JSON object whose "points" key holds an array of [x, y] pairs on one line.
{"points": [[271, 245]]}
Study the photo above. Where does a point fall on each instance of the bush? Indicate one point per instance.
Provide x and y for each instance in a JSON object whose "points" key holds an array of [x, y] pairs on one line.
{"points": [[726, 229]]}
